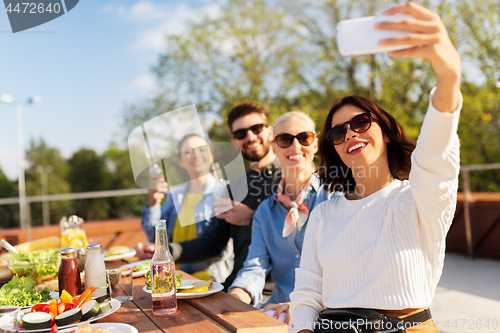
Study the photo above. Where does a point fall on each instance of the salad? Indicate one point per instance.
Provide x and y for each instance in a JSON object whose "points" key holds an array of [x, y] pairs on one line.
{"points": [[141, 267], [19, 291], [41, 265]]}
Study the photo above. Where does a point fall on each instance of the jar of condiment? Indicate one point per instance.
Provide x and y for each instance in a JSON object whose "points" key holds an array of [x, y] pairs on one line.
{"points": [[69, 273], [95, 270]]}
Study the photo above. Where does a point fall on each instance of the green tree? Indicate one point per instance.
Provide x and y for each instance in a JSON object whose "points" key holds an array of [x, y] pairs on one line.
{"points": [[9, 214], [284, 56], [57, 180], [87, 172], [120, 176]]}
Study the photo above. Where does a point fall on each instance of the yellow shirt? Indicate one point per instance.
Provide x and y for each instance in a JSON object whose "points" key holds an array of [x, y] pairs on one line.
{"points": [[188, 231]]}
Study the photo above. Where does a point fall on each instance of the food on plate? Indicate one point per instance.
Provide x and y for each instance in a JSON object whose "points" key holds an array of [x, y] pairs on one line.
{"points": [[197, 287], [64, 311], [69, 317], [90, 309], [36, 320], [85, 328], [52, 285], [141, 267], [41, 265], [20, 291], [117, 250]]}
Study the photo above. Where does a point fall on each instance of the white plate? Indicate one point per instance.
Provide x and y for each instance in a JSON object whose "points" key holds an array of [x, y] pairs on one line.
{"points": [[110, 327], [133, 264], [115, 305], [216, 287], [120, 256]]}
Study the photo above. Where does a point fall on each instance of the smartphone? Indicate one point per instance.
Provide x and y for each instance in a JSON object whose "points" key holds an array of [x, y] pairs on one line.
{"points": [[359, 37]]}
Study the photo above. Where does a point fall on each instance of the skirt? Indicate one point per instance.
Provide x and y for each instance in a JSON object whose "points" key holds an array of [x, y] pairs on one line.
{"points": [[428, 326]]}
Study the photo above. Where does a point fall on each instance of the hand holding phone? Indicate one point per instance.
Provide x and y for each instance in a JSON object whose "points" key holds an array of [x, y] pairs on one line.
{"points": [[360, 37]]}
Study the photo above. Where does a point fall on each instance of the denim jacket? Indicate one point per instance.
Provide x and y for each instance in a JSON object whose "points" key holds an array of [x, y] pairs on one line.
{"points": [[218, 267], [269, 251]]}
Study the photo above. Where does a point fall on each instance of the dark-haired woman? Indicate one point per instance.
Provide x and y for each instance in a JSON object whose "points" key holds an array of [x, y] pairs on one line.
{"points": [[382, 245]]}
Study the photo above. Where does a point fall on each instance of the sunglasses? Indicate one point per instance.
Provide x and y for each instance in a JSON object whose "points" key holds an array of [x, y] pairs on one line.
{"points": [[359, 124], [242, 133], [285, 140]]}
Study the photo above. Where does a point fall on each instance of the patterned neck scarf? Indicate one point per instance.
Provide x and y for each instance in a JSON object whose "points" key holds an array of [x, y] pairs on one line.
{"points": [[298, 211]]}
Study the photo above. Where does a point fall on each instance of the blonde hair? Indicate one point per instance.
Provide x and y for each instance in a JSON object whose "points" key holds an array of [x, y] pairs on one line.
{"points": [[295, 115]]}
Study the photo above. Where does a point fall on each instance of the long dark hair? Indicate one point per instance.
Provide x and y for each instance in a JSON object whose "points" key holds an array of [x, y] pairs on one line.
{"points": [[335, 175]]}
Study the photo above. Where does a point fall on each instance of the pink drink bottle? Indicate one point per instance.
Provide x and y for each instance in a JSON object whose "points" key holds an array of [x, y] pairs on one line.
{"points": [[163, 291]]}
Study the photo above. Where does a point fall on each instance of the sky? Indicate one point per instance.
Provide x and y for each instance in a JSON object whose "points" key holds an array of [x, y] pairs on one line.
{"points": [[86, 66]]}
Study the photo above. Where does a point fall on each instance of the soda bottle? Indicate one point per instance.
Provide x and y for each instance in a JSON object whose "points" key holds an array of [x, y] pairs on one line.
{"points": [[163, 289]]}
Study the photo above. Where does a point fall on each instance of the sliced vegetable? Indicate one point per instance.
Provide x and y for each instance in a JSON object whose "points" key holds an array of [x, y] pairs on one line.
{"points": [[54, 329], [68, 306], [90, 309], [66, 297], [102, 298], [105, 307], [85, 296], [185, 287], [196, 290], [36, 320], [60, 306], [69, 317], [53, 308], [40, 308]]}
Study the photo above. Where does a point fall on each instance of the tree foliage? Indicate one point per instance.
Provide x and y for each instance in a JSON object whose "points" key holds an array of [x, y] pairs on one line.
{"points": [[284, 55]]}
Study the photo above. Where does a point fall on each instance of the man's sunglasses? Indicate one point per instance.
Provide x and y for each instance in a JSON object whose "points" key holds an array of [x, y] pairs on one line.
{"points": [[242, 133], [285, 140], [359, 124]]}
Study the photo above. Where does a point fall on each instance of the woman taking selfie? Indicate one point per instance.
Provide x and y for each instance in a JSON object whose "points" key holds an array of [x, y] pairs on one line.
{"points": [[280, 222], [382, 245]]}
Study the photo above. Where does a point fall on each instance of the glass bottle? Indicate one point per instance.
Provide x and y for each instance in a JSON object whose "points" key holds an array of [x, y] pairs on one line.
{"points": [[163, 289], [69, 273], [95, 270], [73, 235]]}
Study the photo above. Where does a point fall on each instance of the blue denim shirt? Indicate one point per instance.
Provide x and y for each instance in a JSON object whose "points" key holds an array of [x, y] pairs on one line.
{"points": [[269, 250], [202, 215]]}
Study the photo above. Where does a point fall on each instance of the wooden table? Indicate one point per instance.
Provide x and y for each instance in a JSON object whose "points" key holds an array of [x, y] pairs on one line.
{"points": [[218, 312]]}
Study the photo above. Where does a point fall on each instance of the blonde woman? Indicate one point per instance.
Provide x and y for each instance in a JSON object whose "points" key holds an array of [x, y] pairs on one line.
{"points": [[280, 222]]}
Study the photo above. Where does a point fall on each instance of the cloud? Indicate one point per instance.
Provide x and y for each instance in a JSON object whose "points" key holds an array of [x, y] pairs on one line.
{"points": [[153, 20], [144, 83]]}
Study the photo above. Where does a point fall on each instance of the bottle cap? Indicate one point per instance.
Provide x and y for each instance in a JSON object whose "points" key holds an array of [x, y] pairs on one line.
{"points": [[161, 223], [93, 246], [67, 250]]}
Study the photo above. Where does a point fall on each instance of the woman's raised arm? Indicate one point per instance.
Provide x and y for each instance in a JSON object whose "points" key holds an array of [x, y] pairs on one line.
{"points": [[431, 41]]}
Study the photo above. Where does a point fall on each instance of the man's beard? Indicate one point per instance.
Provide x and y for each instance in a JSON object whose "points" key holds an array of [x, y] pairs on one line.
{"points": [[256, 156]]}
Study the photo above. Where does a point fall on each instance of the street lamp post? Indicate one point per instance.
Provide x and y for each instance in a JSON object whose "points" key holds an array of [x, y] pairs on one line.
{"points": [[45, 200], [20, 158]]}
